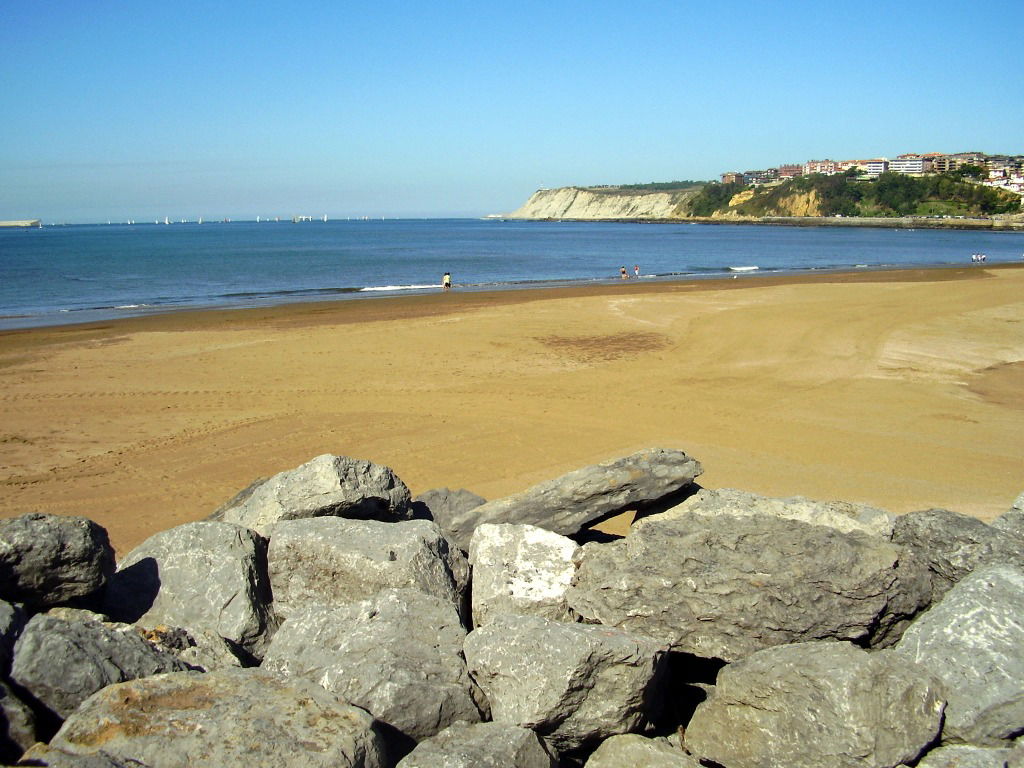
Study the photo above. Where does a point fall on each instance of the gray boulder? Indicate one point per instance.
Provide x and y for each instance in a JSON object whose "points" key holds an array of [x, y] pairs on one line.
{"points": [[814, 704], [953, 545], [331, 561], [202, 650], [443, 505], [51, 559], [631, 750], [12, 621], [481, 745], [520, 569], [327, 486], [973, 640], [61, 663], [200, 576], [230, 717], [17, 725], [571, 683], [43, 754], [963, 756], [1012, 521], [725, 586], [397, 654], [565, 505], [841, 515]]}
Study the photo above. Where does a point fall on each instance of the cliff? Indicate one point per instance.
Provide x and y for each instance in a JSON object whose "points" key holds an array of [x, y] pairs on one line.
{"points": [[593, 203]]}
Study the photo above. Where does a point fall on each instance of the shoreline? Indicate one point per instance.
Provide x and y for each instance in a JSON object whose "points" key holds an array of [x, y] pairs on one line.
{"points": [[107, 315], [901, 388], [904, 222]]}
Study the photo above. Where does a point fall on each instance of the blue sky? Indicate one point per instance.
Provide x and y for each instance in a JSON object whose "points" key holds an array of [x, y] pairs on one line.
{"points": [[116, 110]]}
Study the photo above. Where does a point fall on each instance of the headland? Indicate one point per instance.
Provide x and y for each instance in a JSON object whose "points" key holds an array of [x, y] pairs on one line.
{"points": [[796, 203]]}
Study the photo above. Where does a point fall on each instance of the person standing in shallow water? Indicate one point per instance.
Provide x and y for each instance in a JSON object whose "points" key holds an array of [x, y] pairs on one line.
{"points": [[446, 281], [622, 271]]}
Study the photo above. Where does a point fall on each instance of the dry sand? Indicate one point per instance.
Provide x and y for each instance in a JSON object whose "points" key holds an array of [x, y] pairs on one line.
{"points": [[900, 389]]}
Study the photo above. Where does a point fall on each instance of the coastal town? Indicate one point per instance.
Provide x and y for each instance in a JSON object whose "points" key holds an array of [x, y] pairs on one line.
{"points": [[999, 171]]}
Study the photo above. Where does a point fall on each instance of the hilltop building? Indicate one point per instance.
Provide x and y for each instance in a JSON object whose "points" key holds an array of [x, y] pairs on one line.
{"points": [[1004, 171]]}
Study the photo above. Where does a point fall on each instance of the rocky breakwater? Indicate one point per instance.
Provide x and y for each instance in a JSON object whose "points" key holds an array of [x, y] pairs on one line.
{"points": [[324, 617], [605, 203]]}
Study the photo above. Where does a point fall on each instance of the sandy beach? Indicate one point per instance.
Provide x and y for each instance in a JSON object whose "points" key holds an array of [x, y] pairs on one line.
{"points": [[902, 389]]}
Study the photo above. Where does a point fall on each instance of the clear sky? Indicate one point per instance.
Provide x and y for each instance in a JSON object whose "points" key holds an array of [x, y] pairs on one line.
{"points": [[117, 110]]}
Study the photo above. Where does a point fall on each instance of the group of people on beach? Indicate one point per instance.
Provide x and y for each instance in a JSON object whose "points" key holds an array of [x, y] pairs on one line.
{"points": [[978, 257], [625, 274], [446, 279]]}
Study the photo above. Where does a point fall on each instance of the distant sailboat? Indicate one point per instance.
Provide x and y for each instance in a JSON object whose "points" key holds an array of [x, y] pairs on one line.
{"points": [[166, 221], [325, 218], [200, 219], [257, 219]]}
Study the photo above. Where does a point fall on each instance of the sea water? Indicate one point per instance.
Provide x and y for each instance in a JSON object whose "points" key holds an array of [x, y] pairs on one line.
{"points": [[79, 273]]}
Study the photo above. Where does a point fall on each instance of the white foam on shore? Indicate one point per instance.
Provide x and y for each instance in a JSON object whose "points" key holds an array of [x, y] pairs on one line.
{"points": [[753, 268], [398, 287]]}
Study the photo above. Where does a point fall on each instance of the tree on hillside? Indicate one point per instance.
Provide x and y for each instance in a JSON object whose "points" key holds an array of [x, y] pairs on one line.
{"points": [[970, 172], [713, 197], [898, 193]]}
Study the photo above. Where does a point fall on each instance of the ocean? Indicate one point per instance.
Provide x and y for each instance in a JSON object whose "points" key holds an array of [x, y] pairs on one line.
{"points": [[82, 273]]}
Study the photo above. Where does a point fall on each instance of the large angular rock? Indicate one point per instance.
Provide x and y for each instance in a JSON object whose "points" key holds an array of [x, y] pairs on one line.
{"points": [[330, 561], [725, 586], [481, 745], [568, 503], [841, 515], [200, 576], [202, 650], [50, 559], [397, 655], [963, 756], [815, 704], [231, 717], [327, 486], [444, 505], [631, 750], [12, 621], [45, 755], [61, 663], [1012, 521], [571, 683], [973, 640], [953, 545], [17, 725], [520, 569]]}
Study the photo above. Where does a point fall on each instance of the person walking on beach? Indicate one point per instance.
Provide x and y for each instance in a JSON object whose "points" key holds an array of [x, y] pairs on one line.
{"points": [[622, 271], [446, 281], [636, 271]]}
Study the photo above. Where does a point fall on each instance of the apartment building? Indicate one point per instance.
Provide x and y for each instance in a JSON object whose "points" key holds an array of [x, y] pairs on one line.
{"points": [[876, 167], [911, 164], [826, 167]]}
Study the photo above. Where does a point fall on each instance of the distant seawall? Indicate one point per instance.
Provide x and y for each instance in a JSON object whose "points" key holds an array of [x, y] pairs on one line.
{"points": [[22, 223]]}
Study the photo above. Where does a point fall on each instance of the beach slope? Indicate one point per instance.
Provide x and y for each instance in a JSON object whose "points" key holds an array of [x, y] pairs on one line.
{"points": [[903, 389]]}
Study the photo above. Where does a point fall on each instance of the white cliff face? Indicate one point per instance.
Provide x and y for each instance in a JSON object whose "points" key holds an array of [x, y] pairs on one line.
{"points": [[605, 203]]}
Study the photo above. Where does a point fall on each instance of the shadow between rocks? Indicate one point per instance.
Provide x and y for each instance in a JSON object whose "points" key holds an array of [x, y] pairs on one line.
{"points": [[132, 591]]}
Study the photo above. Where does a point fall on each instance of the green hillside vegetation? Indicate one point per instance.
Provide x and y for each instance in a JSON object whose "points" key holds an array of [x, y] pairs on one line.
{"points": [[891, 194], [655, 186]]}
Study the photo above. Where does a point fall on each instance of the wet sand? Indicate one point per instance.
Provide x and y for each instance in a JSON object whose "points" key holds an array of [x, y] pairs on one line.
{"points": [[902, 389]]}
